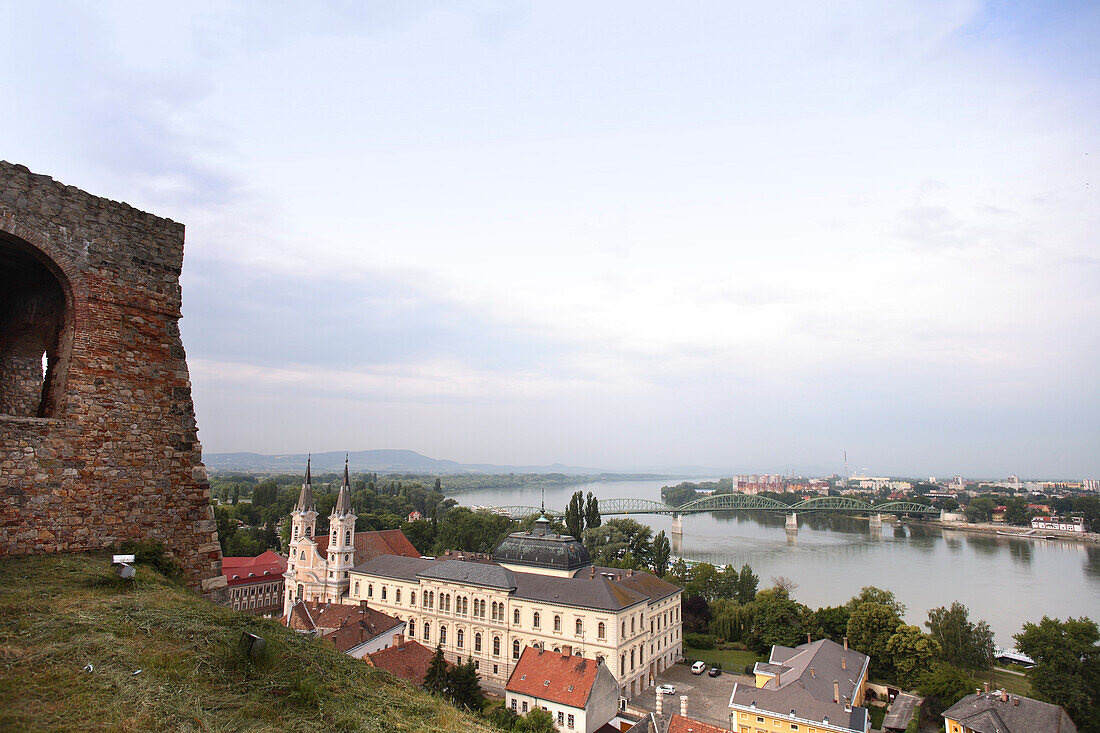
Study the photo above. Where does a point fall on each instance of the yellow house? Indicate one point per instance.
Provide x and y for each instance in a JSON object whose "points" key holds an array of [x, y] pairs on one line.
{"points": [[817, 687]]}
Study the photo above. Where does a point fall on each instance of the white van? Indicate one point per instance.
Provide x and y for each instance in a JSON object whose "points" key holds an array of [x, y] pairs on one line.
{"points": [[699, 668]]}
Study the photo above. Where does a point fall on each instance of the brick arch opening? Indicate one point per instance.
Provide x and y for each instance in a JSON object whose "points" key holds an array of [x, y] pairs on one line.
{"points": [[36, 330]]}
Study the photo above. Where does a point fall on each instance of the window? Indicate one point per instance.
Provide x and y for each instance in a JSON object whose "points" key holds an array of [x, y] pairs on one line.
{"points": [[427, 631], [557, 622], [579, 628], [515, 616], [622, 664], [496, 646], [631, 624], [524, 706], [601, 630], [624, 629], [442, 634], [412, 598], [536, 617], [569, 720], [397, 595], [370, 590], [295, 533], [347, 537], [357, 587], [477, 642], [561, 718], [515, 649], [309, 531], [513, 703], [412, 628], [299, 592], [334, 536], [383, 593], [459, 636]]}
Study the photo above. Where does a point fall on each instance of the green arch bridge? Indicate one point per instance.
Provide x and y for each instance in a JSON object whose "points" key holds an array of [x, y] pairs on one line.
{"points": [[733, 502]]}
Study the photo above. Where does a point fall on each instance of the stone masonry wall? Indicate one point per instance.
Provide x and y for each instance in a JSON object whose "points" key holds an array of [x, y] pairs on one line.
{"points": [[119, 456]]}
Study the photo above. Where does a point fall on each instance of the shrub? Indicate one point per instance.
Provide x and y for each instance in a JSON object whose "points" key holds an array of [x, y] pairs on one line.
{"points": [[699, 641], [155, 555]]}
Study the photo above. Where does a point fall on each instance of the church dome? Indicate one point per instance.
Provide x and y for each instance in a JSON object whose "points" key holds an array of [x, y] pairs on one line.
{"points": [[539, 548]]}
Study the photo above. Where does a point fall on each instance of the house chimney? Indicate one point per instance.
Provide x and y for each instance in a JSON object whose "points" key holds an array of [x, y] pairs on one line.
{"points": [[844, 662], [847, 704], [1004, 696], [1016, 702], [683, 706], [812, 673], [986, 686], [660, 702], [845, 643], [399, 641], [778, 675], [836, 691], [362, 606], [566, 650]]}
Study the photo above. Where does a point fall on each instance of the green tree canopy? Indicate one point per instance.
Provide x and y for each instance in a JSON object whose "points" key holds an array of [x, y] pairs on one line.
{"points": [[944, 686], [832, 622], [964, 644], [611, 543], [1067, 666], [869, 630], [747, 582], [592, 518], [777, 620], [914, 655], [871, 594], [662, 554], [536, 721], [435, 679]]}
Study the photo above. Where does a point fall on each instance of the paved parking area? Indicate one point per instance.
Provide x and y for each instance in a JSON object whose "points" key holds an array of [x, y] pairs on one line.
{"points": [[708, 697]]}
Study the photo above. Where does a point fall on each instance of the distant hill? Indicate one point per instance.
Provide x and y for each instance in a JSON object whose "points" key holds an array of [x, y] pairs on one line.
{"points": [[392, 461]]}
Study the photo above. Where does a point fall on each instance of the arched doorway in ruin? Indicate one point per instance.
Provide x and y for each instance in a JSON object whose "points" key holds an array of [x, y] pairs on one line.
{"points": [[36, 329]]}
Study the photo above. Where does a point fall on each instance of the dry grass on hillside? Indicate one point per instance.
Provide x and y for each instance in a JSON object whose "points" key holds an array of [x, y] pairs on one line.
{"points": [[60, 613]]}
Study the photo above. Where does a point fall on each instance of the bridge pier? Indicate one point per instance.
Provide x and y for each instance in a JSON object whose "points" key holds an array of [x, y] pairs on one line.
{"points": [[677, 533], [876, 521], [792, 522]]}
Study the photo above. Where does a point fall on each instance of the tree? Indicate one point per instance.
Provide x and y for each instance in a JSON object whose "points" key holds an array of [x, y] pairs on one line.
{"points": [[463, 689], [574, 515], [696, 614], [1067, 666], [913, 653], [235, 494], [537, 721], [869, 629], [438, 485], [227, 527], [963, 643], [832, 622], [1017, 513], [871, 594], [463, 529], [944, 686], [980, 509], [611, 543], [776, 620], [730, 620], [435, 679], [747, 581], [662, 553], [703, 581], [592, 517], [420, 534]]}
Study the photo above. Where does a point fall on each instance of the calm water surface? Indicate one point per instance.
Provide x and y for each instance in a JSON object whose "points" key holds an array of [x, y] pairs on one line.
{"points": [[1003, 580]]}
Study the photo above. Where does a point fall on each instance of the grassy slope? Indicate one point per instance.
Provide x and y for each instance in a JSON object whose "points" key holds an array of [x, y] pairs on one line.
{"points": [[59, 613]]}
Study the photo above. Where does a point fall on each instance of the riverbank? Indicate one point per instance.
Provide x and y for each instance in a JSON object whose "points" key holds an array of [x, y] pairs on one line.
{"points": [[1007, 530]]}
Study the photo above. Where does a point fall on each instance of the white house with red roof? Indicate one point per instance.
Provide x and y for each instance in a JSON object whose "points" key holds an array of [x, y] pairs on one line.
{"points": [[580, 694], [255, 583], [319, 564]]}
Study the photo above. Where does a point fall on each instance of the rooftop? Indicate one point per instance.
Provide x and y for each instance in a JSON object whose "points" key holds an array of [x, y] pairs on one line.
{"points": [[541, 549], [999, 712], [347, 626], [680, 724], [408, 660], [244, 570], [564, 679]]}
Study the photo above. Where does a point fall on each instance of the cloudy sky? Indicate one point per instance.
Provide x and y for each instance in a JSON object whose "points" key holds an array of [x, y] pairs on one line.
{"points": [[621, 234]]}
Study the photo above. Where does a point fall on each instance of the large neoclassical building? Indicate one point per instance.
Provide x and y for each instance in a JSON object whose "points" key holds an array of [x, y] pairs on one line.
{"points": [[318, 566], [536, 589]]}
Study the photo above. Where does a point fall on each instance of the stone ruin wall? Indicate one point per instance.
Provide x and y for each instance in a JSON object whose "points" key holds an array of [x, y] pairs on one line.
{"points": [[101, 445]]}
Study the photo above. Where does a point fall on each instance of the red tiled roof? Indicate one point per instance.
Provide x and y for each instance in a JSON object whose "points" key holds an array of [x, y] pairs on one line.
{"points": [[680, 724], [369, 545], [346, 625], [409, 661], [244, 570], [553, 676]]}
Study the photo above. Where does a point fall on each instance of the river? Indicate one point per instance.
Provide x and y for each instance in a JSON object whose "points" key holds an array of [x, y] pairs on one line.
{"points": [[1003, 580]]}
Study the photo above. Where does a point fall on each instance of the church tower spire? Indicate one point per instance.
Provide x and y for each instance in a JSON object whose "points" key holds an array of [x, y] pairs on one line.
{"points": [[341, 546]]}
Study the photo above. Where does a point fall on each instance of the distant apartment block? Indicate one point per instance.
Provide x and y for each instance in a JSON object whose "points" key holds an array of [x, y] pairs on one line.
{"points": [[1065, 524], [255, 583]]}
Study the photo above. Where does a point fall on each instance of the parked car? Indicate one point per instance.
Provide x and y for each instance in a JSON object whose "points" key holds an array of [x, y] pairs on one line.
{"points": [[714, 671], [666, 690], [699, 668]]}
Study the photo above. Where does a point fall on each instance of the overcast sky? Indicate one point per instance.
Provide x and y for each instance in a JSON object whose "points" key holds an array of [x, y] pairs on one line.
{"points": [[622, 235]]}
